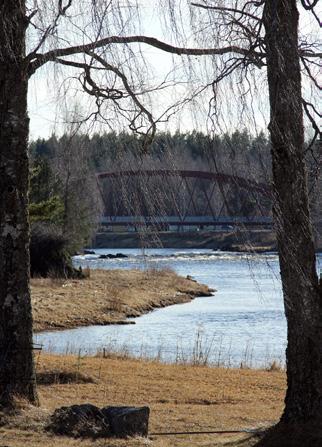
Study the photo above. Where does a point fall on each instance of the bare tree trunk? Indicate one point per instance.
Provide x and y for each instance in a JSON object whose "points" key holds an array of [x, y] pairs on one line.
{"points": [[301, 290], [66, 214], [17, 376]]}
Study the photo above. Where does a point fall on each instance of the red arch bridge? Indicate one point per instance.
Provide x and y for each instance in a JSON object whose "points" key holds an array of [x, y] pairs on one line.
{"points": [[182, 200]]}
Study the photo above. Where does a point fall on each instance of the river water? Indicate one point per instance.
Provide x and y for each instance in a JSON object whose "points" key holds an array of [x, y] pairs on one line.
{"points": [[243, 323]]}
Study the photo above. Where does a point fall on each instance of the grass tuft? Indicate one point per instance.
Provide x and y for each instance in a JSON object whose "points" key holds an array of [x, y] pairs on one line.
{"points": [[56, 377]]}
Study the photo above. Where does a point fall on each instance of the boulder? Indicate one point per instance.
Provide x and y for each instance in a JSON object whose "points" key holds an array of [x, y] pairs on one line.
{"points": [[120, 255], [88, 252], [89, 421], [127, 421]]}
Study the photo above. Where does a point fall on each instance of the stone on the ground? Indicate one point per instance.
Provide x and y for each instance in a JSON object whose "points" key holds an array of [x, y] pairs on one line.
{"points": [[89, 421], [127, 421]]}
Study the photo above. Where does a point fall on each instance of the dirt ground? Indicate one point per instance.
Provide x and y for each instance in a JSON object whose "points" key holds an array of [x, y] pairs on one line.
{"points": [[181, 398], [107, 296]]}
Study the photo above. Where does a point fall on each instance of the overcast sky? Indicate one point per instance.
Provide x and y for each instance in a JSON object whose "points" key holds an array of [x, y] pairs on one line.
{"points": [[47, 98]]}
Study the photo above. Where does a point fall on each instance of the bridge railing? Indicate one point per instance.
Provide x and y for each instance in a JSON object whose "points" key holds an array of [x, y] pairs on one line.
{"points": [[188, 220]]}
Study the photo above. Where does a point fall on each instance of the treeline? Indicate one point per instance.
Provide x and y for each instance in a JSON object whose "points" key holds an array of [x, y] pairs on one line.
{"points": [[237, 151], [64, 192], [63, 189]]}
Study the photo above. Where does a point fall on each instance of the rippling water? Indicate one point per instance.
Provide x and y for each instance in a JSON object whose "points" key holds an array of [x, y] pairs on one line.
{"points": [[242, 323]]}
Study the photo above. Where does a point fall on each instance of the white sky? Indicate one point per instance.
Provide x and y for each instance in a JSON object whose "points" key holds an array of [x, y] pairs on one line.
{"points": [[46, 105]]}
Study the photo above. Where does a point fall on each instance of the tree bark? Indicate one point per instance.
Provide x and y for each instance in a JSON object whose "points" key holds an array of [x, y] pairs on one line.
{"points": [[17, 377], [301, 289]]}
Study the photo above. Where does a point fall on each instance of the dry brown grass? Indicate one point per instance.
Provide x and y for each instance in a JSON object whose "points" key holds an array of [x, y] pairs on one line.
{"points": [[107, 296], [181, 398]]}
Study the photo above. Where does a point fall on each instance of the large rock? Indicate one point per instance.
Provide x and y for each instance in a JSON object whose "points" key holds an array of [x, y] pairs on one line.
{"points": [[88, 252], [127, 421], [90, 421]]}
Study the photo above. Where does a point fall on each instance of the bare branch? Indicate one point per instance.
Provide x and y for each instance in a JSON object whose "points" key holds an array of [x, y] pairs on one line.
{"points": [[41, 59], [309, 73], [62, 9], [226, 9], [77, 64], [306, 106], [130, 92], [309, 6]]}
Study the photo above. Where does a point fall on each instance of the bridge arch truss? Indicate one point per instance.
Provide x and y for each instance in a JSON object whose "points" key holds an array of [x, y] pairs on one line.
{"points": [[182, 198]]}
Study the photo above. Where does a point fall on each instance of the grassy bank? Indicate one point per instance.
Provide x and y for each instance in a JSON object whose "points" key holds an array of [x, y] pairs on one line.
{"points": [[107, 297], [181, 398]]}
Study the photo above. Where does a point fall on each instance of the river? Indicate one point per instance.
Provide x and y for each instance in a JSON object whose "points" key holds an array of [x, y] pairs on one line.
{"points": [[243, 323]]}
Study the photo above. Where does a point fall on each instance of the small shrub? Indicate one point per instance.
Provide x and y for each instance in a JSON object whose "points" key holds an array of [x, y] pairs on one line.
{"points": [[114, 303], [49, 254]]}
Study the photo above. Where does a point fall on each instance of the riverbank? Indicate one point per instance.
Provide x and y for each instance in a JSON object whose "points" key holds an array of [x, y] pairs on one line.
{"points": [[108, 297], [181, 398], [237, 241]]}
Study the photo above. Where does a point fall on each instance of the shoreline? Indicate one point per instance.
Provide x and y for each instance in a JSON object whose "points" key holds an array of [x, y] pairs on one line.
{"points": [[108, 297], [241, 240], [256, 241]]}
